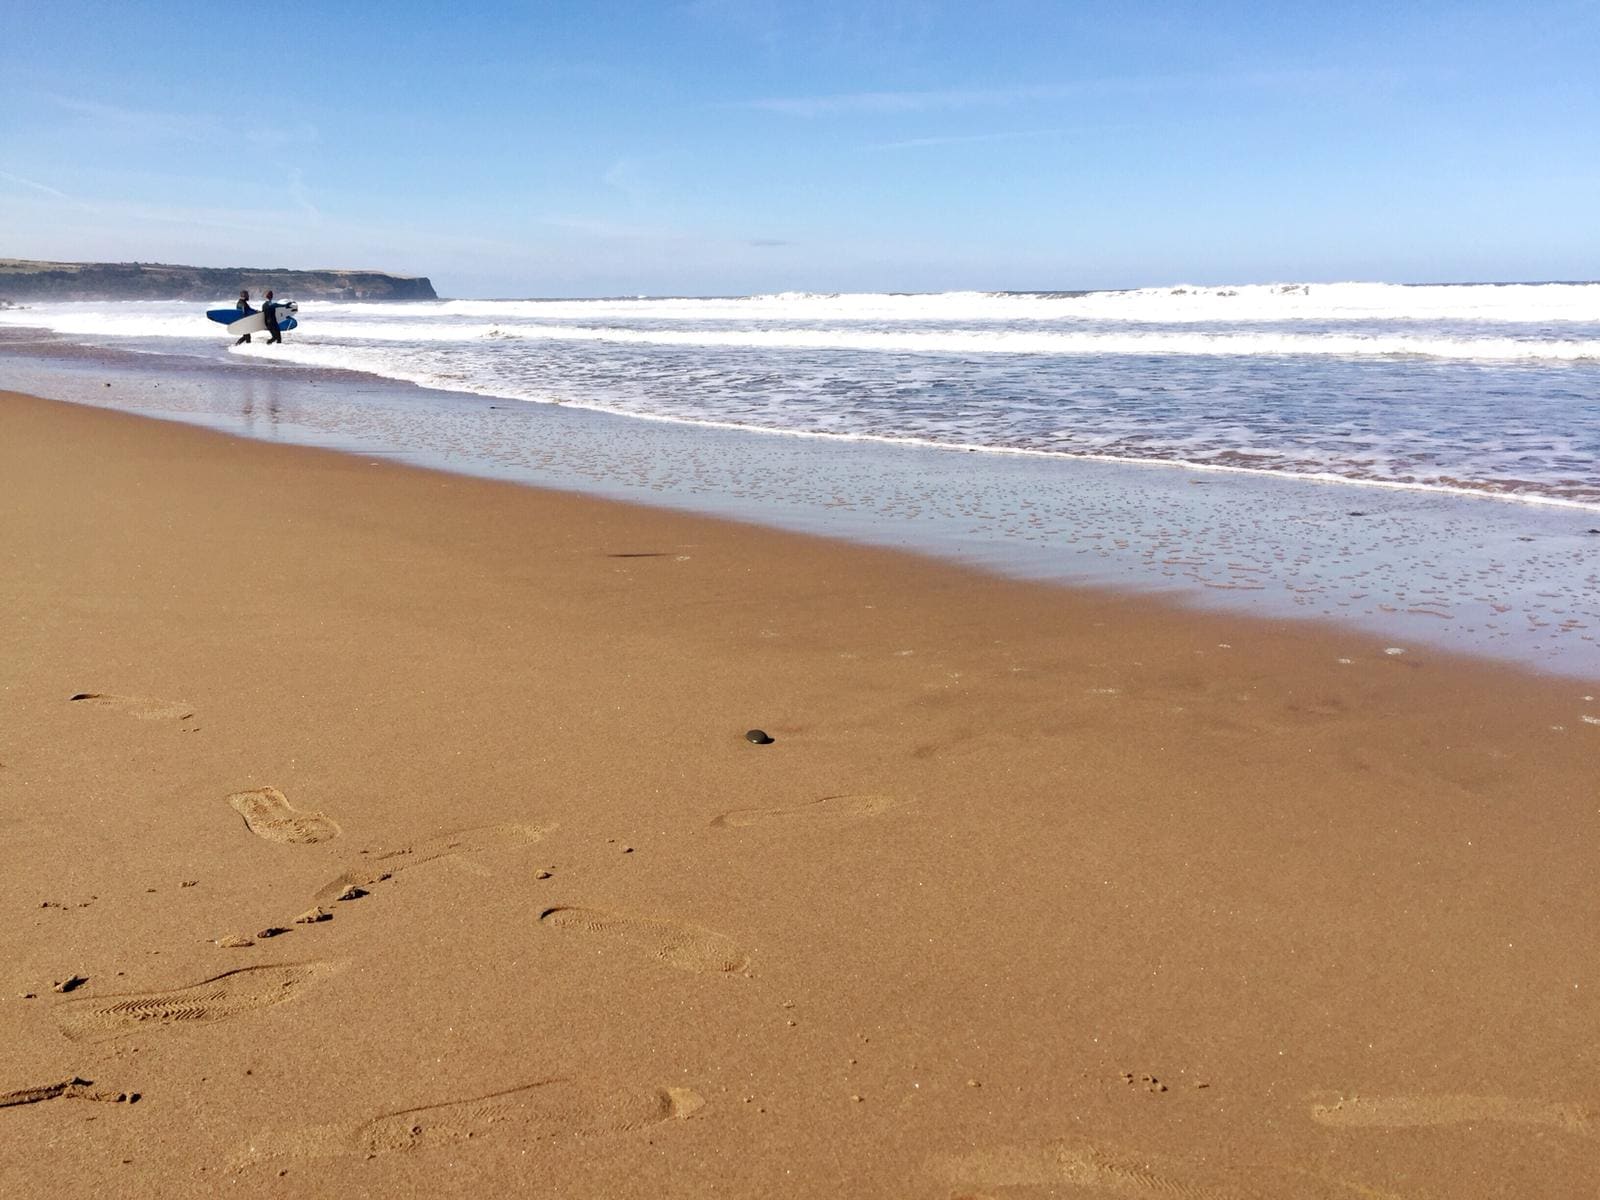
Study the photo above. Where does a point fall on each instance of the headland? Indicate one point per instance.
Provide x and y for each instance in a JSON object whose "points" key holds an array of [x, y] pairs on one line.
{"points": [[27, 279]]}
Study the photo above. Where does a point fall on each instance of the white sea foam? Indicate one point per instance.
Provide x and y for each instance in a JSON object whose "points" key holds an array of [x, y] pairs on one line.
{"points": [[1536, 303], [1009, 341], [1486, 389], [413, 325]]}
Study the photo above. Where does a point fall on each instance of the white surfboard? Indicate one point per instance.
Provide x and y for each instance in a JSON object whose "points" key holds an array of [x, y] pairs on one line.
{"points": [[257, 322]]}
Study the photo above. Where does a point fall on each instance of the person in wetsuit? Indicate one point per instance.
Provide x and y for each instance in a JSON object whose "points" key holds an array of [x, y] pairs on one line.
{"points": [[244, 311], [269, 308]]}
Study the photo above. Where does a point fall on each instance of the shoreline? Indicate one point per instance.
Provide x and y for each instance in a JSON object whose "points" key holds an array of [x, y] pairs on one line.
{"points": [[1468, 491], [1036, 887], [1508, 581]]}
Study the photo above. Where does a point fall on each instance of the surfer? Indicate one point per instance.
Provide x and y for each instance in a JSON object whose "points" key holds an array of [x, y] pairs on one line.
{"points": [[244, 311], [269, 309]]}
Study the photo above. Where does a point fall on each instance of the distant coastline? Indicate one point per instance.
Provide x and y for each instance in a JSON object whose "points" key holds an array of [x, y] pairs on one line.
{"points": [[27, 279]]}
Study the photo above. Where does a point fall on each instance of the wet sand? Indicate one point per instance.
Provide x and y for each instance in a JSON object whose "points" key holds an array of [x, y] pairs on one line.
{"points": [[390, 832]]}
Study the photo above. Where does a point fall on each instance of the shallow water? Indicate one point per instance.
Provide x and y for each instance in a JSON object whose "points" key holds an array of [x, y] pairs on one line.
{"points": [[1402, 566], [1476, 388]]}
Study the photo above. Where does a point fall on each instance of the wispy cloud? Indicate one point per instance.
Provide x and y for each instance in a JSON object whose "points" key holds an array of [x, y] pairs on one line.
{"points": [[301, 195], [903, 102], [155, 125], [893, 27], [631, 177], [962, 139], [279, 136], [759, 20], [36, 186], [145, 122], [953, 99], [610, 230]]}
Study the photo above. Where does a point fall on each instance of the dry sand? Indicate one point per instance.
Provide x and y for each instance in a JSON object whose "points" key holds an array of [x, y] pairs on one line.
{"points": [[1036, 891]]}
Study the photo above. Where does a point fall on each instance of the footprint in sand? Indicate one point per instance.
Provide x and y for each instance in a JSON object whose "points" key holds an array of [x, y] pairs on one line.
{"points": [[1043, 1169], [549, 1108], [67, 1089], [676, 943], [1412, 1112], [829, 807], [142, 707], [269, 815], [353, 883], [219, 999]]}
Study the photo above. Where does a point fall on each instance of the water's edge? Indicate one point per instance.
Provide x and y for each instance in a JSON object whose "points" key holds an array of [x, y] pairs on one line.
{"points": [[1511, 582]]}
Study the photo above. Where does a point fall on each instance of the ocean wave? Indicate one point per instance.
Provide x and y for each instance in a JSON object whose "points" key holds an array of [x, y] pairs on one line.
{"points": [[331, 329], [1488, 323], [1023, 342], [1534, 303], [1504, 475], [1478, 406], [988, 341]]}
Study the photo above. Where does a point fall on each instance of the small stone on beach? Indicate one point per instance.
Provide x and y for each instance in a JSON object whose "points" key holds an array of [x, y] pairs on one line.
{"points": [[758, 737], [70, 983]]}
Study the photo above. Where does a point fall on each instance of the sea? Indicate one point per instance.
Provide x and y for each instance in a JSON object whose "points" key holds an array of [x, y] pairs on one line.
{"points": [[1419, 463]]}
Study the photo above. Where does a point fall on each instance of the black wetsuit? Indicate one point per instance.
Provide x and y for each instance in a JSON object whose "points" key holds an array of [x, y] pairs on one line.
{"points": [[244, 311], [270, 310]]}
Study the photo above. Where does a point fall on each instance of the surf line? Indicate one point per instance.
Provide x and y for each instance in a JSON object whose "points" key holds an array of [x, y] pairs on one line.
{"points": [[459, 387]]}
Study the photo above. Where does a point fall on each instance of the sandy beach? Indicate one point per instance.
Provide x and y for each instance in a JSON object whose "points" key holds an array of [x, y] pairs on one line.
{"points": [[372, 831]]}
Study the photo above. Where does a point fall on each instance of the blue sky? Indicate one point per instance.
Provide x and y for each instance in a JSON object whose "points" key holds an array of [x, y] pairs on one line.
{"points": [[732, 146]]}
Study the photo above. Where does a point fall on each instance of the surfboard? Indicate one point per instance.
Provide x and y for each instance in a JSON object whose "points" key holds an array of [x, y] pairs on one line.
{"points": [[222, 316], [257, 322]]}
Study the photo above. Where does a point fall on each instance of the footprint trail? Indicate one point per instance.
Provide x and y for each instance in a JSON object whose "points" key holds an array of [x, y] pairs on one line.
{"points": [[67, 1089], [676, 943], [546, 1109], [222, 998], [268, 814], [143, 707], [356, 881], [1043, 1169], [834, 807], [1412, 1112]]}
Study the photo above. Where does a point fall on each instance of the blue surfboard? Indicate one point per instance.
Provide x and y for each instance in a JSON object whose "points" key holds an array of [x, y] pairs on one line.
{"points": [[227, 316]]}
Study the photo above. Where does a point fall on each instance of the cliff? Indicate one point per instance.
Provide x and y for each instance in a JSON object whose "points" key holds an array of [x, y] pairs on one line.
{"points": [[22, 279]]}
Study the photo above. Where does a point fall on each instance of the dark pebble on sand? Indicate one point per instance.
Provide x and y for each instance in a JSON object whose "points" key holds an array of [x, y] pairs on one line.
{"points": [[758, 737]]}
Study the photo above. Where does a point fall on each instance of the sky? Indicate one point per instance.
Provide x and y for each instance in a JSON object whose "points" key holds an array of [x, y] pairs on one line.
{"points": [[729, 147]]}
